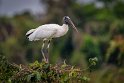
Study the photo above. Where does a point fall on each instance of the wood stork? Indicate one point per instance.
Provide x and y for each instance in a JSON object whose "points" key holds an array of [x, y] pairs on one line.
{"points": [[48, 31]]}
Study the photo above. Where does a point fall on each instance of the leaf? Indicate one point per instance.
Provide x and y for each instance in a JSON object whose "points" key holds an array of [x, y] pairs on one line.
{"points": [[86, 78], [29, 78], [93, 61], [38, 76]]}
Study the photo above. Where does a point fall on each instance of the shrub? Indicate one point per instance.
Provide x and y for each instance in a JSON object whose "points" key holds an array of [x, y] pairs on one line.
{"points": [[42, 72]]}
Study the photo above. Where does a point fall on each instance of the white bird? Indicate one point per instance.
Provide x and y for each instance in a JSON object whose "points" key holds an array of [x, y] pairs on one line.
{"points": [[48, 31]]}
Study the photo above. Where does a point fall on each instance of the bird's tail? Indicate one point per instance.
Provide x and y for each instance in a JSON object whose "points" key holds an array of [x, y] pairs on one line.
{"points": [[28, 34]]}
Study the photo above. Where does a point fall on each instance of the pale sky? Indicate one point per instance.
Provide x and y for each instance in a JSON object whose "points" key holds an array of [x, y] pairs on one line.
{"points": [[10, 7]]}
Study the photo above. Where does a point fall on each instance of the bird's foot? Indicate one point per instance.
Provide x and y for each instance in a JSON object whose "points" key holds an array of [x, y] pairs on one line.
{"points": [[45, 60]]}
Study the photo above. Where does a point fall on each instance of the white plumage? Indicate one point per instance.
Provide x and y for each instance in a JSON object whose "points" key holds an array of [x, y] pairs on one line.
{"points": [[47, 32]]}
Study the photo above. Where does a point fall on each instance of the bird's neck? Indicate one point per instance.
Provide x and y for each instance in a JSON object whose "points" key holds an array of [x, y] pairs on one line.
{"points": [[62, 30], [65, 26]]}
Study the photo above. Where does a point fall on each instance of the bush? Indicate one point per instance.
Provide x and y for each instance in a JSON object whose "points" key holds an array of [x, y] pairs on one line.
{"points": [[42, 72]]}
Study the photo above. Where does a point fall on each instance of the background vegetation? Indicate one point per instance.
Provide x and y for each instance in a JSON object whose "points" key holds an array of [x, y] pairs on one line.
{"points": [[101, 35]]}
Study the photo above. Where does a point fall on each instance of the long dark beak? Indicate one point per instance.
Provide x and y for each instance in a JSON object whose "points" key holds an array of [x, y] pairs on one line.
{"points": [[73, 26]]}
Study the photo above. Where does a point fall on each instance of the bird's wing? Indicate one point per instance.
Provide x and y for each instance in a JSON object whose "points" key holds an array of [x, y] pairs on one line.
{"points": [[46, 31]]}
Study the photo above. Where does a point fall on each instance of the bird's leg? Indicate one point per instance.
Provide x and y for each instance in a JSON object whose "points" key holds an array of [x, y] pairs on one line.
{"points": [[48, 44], [47, 50], [42, 50]]}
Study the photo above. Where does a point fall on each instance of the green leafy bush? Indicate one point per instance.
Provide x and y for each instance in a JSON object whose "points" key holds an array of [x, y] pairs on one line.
{"points": [[42, 72]]}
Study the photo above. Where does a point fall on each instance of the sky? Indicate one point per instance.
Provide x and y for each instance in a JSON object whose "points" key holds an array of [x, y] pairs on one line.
{"points": [[10, 7]]}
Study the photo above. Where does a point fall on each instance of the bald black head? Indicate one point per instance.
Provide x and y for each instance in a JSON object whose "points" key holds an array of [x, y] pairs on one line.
{"points": [[66, 19]]}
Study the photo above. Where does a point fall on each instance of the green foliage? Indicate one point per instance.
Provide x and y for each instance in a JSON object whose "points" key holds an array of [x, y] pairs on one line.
{"points": [[93, 61], [6, 69], [42, 72]]}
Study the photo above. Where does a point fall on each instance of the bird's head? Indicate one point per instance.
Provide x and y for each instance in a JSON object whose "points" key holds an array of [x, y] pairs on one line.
{"points": [[68, 21]]}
